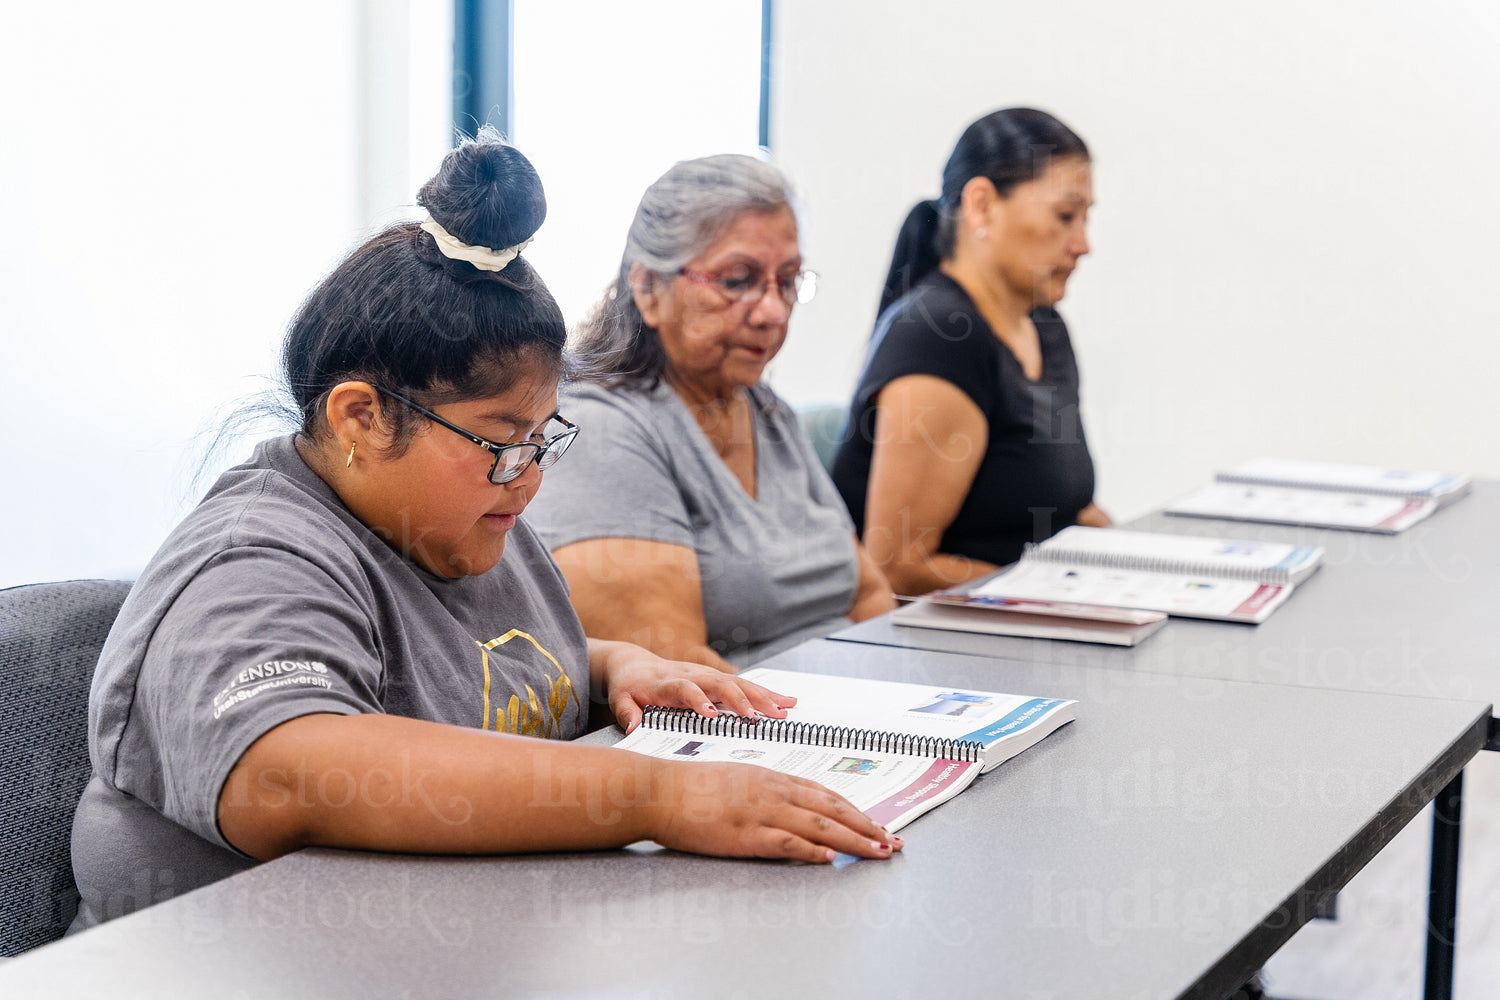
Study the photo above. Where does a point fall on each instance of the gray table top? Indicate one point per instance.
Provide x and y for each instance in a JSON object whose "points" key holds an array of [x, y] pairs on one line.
{"points": [[1162, 845], [1414, 613]]}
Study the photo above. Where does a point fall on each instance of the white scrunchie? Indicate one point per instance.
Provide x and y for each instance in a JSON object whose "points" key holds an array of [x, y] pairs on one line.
{"points": [[481, 257]]}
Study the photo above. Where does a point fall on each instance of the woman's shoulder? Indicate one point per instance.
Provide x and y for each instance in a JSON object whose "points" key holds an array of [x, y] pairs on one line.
{"points": [[276, 504], [933, 330], [596, 407], [258, 524], [934, 290], [937, 312]]}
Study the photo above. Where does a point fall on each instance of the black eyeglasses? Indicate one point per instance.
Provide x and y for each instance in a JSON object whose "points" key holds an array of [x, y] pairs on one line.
{"points": [[742, 284], [510, 459]]}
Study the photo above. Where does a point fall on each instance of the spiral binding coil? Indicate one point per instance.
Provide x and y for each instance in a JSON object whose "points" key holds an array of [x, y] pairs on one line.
{"points": [[683, 720], [1292, 483], [1270, 575]]}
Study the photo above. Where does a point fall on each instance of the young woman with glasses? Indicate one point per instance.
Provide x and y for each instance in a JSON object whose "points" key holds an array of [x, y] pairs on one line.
{"points": [[964, 441], [699, 522], [351, 639]]}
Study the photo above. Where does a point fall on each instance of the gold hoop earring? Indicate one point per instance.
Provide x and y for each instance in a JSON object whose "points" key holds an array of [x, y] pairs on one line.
{"points": [[352, 446]]}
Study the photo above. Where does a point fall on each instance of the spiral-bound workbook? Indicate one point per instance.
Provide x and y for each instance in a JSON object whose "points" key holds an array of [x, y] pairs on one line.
{"points": [[1220, 578], [1442, 488], [965, 611], [1324, 495], [893, 749]]}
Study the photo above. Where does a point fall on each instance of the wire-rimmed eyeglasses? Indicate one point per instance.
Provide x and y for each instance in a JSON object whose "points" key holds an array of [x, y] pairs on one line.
{"points": [[510, 460], [743, 284]]}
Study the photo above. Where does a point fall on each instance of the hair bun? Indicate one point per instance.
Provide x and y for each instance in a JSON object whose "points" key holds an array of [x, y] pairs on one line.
{"points": [[486, 193]]}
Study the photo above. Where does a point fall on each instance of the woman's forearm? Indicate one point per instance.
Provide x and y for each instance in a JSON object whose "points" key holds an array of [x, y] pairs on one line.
{"points": [[384, 782], [916, 576], [387, 783], [872, 595], [875, 602], [640, 592]]}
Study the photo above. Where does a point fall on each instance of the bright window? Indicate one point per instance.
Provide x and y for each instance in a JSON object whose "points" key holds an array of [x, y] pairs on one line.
{"points": [[159, 245]]}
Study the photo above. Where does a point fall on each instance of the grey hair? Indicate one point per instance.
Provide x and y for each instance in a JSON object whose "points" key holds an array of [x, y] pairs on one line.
{"points": [[681, 215]]}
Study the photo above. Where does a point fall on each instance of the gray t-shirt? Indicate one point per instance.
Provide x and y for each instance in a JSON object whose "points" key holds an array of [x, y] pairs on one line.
{"points": [[272, 601], [776, 570]]}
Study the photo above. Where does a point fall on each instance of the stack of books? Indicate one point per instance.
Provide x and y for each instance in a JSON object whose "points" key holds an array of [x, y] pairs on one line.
{"points": [[1324, 495], [1115, 586]]}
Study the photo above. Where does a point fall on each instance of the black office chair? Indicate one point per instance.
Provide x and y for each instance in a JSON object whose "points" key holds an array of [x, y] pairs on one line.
{"points": [[50, 637]]}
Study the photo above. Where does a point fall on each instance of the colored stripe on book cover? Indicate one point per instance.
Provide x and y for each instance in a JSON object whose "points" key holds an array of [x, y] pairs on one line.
{"points": [[1025, 714], [1410, 507], [929, 784], [1295, 558], [1262, 596]]}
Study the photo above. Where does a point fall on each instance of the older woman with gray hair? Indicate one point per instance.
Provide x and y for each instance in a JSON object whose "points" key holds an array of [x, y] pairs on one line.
{"points": [[699, 522]]}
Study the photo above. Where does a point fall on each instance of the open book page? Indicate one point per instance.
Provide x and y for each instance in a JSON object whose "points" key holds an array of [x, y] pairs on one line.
{"points": [[1273, 562], [1176, 594], [891, 788], [1005, 724], [1317, 508], [1349, 478]]}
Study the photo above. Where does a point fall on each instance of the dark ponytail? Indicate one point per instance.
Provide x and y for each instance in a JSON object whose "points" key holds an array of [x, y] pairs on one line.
{"points": [[1008, 147], [916, 252], [400, 315]]}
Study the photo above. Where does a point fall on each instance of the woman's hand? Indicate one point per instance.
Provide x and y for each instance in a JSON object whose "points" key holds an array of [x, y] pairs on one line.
{"points": [[747, 811], [631, 678], [1093, 516]]}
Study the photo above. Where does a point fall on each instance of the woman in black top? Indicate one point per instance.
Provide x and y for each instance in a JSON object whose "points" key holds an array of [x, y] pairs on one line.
{"points": [[964, 440]]}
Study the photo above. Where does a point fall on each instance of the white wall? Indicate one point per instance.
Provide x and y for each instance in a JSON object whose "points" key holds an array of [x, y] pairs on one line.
{"points": [[1293, 242], [600, 122], [175, 177]]}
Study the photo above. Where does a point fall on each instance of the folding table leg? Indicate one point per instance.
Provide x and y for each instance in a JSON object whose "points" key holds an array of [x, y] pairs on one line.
{"points": [[1442, 894]]}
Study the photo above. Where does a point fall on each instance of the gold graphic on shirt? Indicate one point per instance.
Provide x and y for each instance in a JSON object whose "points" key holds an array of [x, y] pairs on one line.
{"points": [[531, 717]]}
